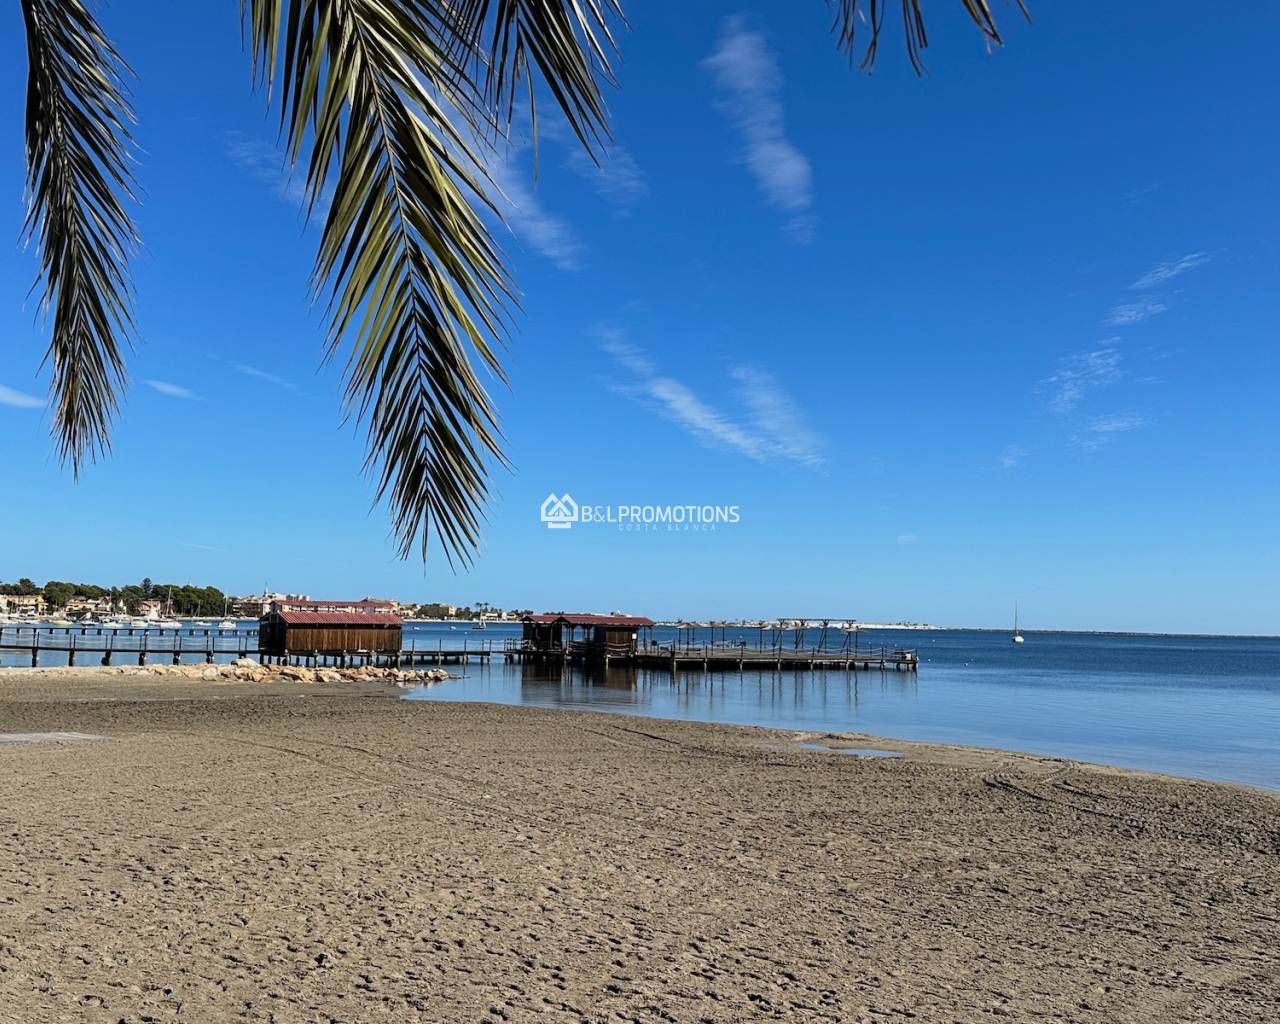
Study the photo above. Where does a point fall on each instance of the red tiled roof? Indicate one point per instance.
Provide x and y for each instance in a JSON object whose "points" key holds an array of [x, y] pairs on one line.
{"points": [[309, 603], [354, 619], [590, 620]]}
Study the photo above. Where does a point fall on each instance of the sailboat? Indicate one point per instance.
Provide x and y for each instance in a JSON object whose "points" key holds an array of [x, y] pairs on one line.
{"points": [[1017, 636]]}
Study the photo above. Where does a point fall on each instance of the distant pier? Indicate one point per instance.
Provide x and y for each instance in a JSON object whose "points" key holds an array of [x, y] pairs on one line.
{"points": [[722, 657], [106, 646]]}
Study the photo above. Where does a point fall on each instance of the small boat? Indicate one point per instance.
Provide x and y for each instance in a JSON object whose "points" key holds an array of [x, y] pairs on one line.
{"points": [[167, 624], [115, 624], [1017, 636], [479, 624], [227, 624]]}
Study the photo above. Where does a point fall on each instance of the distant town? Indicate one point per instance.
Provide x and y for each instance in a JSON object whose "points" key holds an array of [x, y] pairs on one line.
{"points": [[158, 601]]}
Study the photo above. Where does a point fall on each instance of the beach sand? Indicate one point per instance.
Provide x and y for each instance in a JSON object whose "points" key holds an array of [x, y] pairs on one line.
{"points": [[233, 853]]}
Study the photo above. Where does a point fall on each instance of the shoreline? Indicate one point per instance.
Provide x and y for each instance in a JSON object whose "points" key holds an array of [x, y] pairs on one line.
{"points": [[294, 854], [162, 683]]}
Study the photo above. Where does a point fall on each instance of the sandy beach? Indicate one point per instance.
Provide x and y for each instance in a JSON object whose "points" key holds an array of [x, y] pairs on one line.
{"points": [[289, 853]]}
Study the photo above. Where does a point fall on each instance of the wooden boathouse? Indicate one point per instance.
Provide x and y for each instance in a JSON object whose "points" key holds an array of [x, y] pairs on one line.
{"points": [[302, 634], [604, 637]]}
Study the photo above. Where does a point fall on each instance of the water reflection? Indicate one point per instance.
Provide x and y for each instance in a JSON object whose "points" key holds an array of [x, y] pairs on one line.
{"points": [[1202, 706], [827, 699]]}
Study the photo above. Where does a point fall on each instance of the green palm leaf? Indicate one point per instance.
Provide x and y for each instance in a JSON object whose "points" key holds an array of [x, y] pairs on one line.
{"points": [[77, 144], [388, 98]]}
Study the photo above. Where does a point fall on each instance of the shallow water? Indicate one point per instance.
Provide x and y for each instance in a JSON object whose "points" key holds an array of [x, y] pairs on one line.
{"points": [[852, 751], [1207, 707]]}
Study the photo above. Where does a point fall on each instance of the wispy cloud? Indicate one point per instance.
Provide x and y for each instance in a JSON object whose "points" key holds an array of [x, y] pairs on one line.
{"points": [[775, 415], [1012, 455], [270, 378], [1079, 374], [532, 223], [750, 83], [617, 179], [772, 427], [907, 538], [1125, 314], [265, 162], [1102, 430], [19, 400], [173, 390], [1141, 193], [1170, 269]]}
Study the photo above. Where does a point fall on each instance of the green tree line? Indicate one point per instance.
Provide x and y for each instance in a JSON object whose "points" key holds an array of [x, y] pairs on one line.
{"points": [[177, 598]]}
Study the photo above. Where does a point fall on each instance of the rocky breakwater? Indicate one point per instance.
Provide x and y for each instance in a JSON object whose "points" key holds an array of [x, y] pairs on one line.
{"points": [[248, 670]]}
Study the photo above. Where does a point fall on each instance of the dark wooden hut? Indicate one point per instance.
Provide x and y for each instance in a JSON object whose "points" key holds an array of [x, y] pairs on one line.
{"points": [[605, 637], [297, 634]]}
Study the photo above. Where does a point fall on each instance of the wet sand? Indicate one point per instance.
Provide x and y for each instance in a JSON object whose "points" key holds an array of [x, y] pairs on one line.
{"points": [[279, 852]]}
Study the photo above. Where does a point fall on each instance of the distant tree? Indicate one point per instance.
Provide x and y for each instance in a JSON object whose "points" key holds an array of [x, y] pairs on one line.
{"points": [[57, 594], [148, 591]]}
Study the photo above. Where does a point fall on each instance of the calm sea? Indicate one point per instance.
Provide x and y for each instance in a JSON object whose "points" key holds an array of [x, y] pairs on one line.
{"points": [[1207, 707]]}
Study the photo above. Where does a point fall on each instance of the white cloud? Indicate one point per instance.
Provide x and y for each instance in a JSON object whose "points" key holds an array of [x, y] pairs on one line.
{"points": [[750, 84], [529, 219], [617, 179], [270, 378], [1115, 423], [773, 428], [1102, 430], [265, 162], [907, 538], [1170, 269], [775, 415], [1124, 314], [19, 399], [1078, 374], [1012, 455], [172, 390]]}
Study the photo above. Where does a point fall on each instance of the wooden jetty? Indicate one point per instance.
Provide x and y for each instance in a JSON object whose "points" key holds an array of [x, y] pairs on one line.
{"points": [[83, 644], [617, 639], [740, 657], [319, 639], [127, 644]]}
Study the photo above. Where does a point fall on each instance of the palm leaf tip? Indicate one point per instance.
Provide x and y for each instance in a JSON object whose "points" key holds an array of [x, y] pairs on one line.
{"points": [[78, 181], [415, 286], [853, 17]]}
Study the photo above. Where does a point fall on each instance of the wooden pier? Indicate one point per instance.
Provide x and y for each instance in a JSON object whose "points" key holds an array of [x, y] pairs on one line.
{"points": [[721, 657], [87, 644]]}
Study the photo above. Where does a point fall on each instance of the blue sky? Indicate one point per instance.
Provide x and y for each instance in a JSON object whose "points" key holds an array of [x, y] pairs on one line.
{"points": [[1006, 332]]}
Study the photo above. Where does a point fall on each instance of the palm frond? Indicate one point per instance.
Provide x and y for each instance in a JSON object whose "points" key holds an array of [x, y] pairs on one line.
{"points": [[851, 14], [414, 282], [77, 151], [396, 100], [568, 42]]}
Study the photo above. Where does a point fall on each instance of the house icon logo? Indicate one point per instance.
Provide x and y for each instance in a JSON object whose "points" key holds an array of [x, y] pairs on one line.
{"points": [[559, 513]]}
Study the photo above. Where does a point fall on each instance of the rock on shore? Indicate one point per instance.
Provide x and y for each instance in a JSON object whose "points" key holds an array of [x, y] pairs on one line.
{"points": [[248, 670]]}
